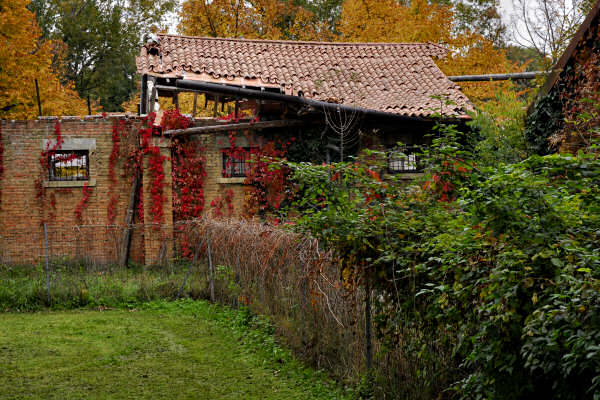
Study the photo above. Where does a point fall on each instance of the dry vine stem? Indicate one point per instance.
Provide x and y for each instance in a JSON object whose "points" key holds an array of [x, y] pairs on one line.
{"points": [[264, 254]]}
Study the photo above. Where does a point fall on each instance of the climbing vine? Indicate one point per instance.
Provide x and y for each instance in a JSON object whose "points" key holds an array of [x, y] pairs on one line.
{"points": [[44, 162], [86, 192], [155, 167], [222, 206], [266, 183], [567, 117], [1, 163], [188, 180], [118, 130]]}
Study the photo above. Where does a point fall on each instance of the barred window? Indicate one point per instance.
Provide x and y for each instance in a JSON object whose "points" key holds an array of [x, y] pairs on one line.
{"points": [[404, 160], [70, 165], [236, 163]]}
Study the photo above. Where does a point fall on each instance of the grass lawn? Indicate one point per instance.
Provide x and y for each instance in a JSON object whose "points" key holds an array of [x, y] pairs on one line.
{"points": [[177, 350]]}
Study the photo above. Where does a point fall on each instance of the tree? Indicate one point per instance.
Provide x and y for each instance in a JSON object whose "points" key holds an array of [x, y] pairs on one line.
{"points": [[390, 21], [325, 11], [25, 57], [254, 19], [102, 38], [481, 16], [548, 25]]}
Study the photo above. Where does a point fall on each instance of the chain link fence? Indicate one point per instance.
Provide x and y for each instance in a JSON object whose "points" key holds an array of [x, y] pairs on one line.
{"points": [[272, 271]]}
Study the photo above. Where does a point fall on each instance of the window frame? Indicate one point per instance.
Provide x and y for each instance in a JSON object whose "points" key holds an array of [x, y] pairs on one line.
{"points": [[228, 170], [53, 177], [408, 162]]}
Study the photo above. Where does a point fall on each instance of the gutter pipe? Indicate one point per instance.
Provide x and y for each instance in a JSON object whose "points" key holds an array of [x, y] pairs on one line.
{"points": [[264, 95]]}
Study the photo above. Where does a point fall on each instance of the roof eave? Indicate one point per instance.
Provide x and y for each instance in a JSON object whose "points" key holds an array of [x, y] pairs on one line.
{"points": [[251, 93], [568, 53]]}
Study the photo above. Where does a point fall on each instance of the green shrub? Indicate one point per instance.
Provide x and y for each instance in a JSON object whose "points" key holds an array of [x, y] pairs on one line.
{"points": [[504, 279]]}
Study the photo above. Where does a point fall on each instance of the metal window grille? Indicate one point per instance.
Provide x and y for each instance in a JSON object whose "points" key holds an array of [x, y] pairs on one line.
{"points": [[69, 165], [236, 163], [404, 160]]}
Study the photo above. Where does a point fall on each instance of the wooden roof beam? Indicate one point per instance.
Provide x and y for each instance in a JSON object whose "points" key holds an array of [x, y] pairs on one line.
{"points": [[225, 127]]}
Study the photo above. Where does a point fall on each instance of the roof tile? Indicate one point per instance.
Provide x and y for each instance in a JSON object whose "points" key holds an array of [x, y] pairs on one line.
{"points": [[398, 78]]}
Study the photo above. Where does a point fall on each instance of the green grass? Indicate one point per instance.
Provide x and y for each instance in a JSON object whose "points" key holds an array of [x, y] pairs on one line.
{"points": [[23, 288], [161, 350]]}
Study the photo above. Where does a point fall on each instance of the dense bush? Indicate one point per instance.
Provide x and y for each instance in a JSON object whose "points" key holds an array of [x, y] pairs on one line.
{"points": [[500, 265], [545, 118], [499, 128]]}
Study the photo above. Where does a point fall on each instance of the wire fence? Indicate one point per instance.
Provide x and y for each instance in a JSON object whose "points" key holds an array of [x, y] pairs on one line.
{"points": [[274, 272]]}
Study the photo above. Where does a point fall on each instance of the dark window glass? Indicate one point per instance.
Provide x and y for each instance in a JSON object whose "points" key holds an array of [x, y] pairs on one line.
{"points": [[69, 165], [236, 163]]}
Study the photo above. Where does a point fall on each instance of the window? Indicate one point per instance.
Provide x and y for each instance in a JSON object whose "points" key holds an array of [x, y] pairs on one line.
{"points": [[70, 165], [236, 163], [404, 160]]}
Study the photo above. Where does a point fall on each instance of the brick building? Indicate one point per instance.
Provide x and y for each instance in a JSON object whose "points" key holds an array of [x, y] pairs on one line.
{"points": [[72, 174]]}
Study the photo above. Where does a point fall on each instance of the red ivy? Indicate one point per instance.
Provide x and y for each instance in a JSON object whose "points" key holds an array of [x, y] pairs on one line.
{"points": [[1, 163], [173, 119], [223, 206], [443, 184], [86, 191], [118, 130], [44, 167]]}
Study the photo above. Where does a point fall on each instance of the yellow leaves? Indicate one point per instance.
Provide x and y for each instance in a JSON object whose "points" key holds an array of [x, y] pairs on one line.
{"points": [[389, 21], [256, 19], [25, 58]]}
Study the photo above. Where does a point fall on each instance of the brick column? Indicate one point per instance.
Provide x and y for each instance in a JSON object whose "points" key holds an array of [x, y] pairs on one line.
{"points": [[158, 239]]}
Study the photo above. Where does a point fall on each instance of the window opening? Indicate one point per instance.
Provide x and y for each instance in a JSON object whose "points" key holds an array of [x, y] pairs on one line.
{"points": [[69, 165], [404, 160], [236, 163]]}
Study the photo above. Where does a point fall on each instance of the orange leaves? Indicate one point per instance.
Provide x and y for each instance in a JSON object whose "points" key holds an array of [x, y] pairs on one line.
{"points": [[390, 21], [421, 21], [24, 58], [256, 19]]}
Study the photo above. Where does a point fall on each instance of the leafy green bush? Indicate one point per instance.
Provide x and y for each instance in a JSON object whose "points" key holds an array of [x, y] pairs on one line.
{"points": [[500, 131], [500, 265]]}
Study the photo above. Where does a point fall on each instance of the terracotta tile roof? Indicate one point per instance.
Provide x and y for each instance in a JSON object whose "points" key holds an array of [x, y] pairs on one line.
{"points": [[397, 78]]}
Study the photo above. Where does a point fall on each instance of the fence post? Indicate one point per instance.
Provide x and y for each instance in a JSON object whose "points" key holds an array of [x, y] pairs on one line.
{"points": [[369, 348], [211, 274], [47, 263], [237, 279], [187, 275]]}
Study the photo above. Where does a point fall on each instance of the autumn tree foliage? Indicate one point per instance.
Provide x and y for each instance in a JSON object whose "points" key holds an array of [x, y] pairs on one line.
{"points": [[102, 38], [255, 19], [421, 21], [472, 33], [24, 57]]}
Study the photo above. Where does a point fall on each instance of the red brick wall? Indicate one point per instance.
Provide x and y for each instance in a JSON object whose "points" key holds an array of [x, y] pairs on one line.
{"points": [[22, 213]]}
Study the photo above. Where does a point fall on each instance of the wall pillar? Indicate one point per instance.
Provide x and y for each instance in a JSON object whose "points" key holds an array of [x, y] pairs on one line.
{"points": [[158, 238]]}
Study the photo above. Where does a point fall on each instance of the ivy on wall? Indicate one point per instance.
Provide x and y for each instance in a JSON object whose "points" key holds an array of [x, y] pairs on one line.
{"points": [[118, 130], [86, 192], [545, 119], [40, 189], [1, 163], [567, 118]]}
